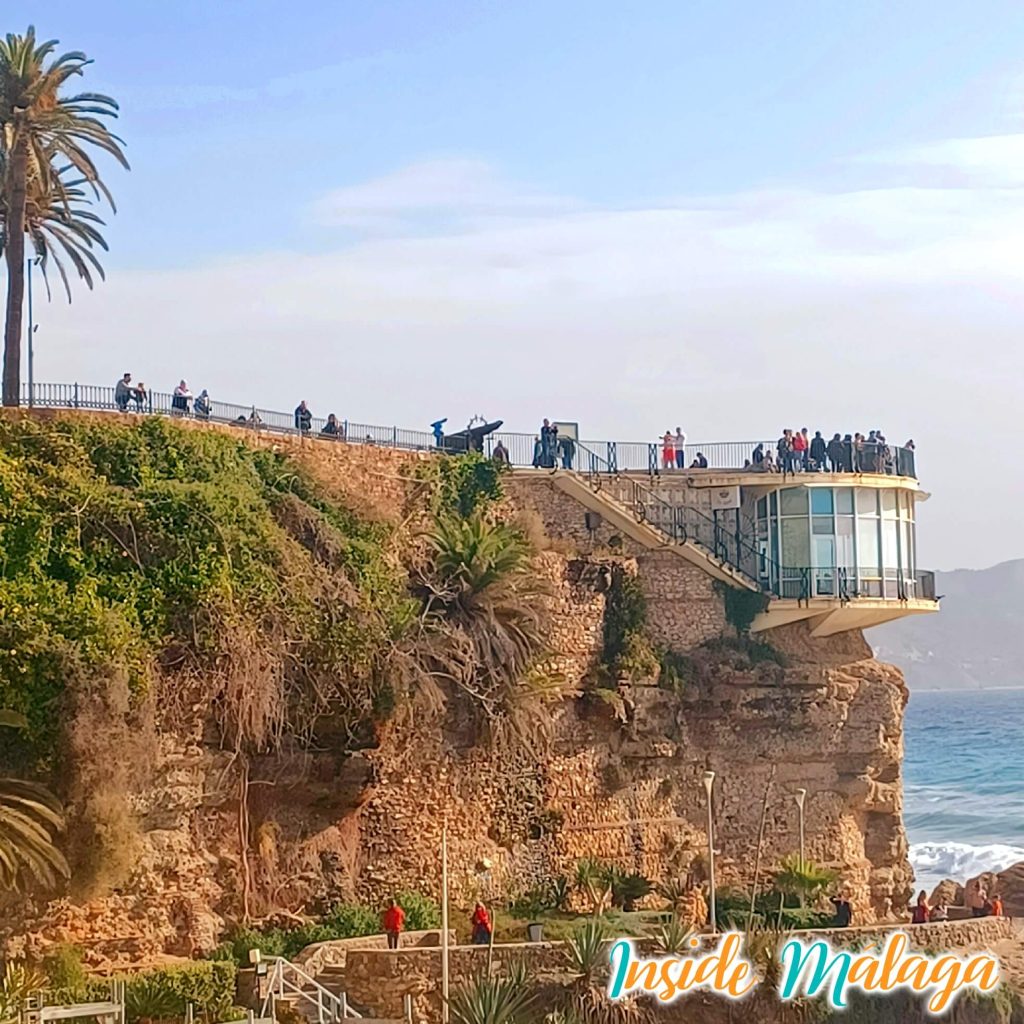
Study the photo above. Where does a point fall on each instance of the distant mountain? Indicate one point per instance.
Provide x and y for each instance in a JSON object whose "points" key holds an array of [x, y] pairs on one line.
{"points": [[976, 640]]}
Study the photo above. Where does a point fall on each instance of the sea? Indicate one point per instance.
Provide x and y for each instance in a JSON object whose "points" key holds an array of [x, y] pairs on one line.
{"points": [[964, 782]]}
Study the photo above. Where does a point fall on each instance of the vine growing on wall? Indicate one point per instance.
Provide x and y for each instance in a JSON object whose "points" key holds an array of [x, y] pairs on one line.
{"points": [[741, 606], [627, 650]]}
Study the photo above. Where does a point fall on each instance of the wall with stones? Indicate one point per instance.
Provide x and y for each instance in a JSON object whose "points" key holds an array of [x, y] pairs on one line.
{"points": [[585, 783], [381, 980]]}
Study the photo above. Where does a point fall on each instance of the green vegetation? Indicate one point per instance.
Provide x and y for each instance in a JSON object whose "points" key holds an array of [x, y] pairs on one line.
{"points": [[627, 651], [499, 999], [44, 164], [741, 606], [158, 994], [30, 816], [462, 485], [343, 921]]}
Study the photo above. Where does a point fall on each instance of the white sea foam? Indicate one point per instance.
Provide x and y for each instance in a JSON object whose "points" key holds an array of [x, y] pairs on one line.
{"points": [[934, 861]]}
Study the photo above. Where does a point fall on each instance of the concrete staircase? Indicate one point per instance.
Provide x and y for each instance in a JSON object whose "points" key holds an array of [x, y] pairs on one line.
{"points": [[643, 522]]}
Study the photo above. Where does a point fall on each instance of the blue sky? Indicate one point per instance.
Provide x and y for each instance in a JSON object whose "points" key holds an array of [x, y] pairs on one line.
{"points": [[732, 215]]}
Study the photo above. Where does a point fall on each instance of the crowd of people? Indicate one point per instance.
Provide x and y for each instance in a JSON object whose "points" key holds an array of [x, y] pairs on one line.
{"points": [[797, 452], [550, 450]]}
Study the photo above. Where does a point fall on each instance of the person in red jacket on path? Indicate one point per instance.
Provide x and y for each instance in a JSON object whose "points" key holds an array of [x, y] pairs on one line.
{"points": [[481, 922], [394, 921]]}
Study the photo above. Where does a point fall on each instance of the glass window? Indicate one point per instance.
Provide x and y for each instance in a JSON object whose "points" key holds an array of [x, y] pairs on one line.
{"points": [[844, 543], [796, 542], [762, 507], [867, 547], [794, 501], [888, 504], [821, 501], [906, 504], [907, 548], [844, 500], [890, 553], [867, 502], [822, 525], [774, 500]]}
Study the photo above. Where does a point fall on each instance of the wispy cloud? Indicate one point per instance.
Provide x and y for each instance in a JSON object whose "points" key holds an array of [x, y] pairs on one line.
{"points": [[455, 290]]}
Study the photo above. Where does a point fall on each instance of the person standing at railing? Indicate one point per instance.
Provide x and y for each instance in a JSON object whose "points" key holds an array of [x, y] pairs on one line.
{"points": [[437, 429], [500, 454], [303, 417], [548, 444], [835, 454], [122, 392], [818, 451], [180, 399], [679, 441], [140, 395], [668, 451], [202, 406], [393, 921], [331, 428], [799, 443], [785, 451], [568, 451]]}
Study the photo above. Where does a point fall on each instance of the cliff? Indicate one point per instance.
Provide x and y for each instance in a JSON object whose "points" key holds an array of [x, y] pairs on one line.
{"points": [[224, 646]]}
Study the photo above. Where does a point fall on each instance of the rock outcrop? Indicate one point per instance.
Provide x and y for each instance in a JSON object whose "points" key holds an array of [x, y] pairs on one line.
{"points": [[621, 782]]}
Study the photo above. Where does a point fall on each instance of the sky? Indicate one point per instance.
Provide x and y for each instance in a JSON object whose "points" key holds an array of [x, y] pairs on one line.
{"points": [[730, 216]]}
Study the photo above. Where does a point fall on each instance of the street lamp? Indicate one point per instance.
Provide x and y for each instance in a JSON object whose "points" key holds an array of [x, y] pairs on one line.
{"points": [[801, 795], [31, 326], [709, 781]]}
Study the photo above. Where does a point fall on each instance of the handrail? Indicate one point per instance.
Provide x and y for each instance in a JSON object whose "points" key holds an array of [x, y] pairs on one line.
{"points": [[619, 456], [330, 1008]]}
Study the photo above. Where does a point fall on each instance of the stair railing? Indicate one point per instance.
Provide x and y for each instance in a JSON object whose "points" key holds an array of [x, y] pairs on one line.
{"points": [[286, 978]]}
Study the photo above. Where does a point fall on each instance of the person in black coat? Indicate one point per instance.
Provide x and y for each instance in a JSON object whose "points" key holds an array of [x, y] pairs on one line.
{"points": [[818, 451]]}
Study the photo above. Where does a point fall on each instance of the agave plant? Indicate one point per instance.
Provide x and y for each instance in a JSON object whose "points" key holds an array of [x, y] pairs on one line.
{"points": [[19, 982], [673, 936], [585, 948], [30, 816], [493, 1000], [594, 879], [147, 999], [586, 999]]}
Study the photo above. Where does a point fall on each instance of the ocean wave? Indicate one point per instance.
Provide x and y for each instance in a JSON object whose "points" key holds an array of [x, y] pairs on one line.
{"points": [[961, 861]]}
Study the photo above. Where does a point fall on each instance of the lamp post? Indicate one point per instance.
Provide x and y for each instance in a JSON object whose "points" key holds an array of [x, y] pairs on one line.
{"points": [[801, 795], [709, 781], [31, 327], [444, 924]]}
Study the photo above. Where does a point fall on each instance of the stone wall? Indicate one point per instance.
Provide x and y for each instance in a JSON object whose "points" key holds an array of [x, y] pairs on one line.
{"points": [[330, 826], [379, 980]]}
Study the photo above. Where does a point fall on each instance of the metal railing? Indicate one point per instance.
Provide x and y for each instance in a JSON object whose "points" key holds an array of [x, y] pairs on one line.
{"points": [[287, 979], [523, 449]]}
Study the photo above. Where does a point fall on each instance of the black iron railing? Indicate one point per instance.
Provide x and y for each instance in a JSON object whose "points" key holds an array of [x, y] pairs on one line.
{"points": [[523, 449]]}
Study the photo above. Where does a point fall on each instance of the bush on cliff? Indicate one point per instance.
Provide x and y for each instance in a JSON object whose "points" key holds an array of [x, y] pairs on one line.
{"points": [[148, 559]]}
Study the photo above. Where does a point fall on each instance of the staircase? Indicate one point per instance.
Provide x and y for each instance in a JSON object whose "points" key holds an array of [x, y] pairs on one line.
{"points": [[320, 1000], [652, 522]]}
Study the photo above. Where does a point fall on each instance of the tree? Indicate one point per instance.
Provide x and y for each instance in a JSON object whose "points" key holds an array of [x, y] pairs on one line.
{"points": [[802, 878], [29, 817], [41, 134], [60, 223]]}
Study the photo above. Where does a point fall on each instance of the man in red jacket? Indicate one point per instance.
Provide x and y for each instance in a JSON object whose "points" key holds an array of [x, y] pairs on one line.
{"points": [[394, 919]]}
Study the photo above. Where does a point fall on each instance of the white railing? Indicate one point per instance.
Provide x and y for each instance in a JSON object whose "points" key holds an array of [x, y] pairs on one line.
{"points": [[287, 979]]}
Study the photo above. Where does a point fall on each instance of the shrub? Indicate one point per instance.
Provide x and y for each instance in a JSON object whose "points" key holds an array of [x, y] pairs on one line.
{"points": [[63, 968], [676, 670], [348, 920], [627, 651], [627, 889], [530, 905], [421, 911]]}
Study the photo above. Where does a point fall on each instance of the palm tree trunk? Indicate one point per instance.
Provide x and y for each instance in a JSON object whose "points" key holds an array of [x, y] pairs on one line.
{"points": [[15, 253]]}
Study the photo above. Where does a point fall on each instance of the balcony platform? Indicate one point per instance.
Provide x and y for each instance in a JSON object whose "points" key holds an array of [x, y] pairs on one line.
{"points": [[829, 615], [713, 478]]}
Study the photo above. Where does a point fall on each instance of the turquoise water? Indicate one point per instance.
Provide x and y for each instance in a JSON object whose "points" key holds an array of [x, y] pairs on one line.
{"points": [[964, 782]]}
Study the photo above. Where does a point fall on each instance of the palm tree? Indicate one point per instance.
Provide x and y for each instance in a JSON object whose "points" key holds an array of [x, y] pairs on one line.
{"points": [[29, 817], [60, 223], [40, 132], [802, 878]]}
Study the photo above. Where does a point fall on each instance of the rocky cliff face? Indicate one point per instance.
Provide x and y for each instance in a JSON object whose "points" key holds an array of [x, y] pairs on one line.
{"points": [[621, 782]]}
